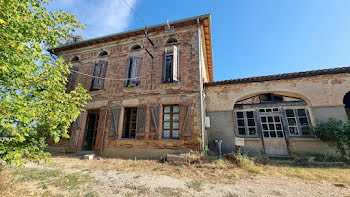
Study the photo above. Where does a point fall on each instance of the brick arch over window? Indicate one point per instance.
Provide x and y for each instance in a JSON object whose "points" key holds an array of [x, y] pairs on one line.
{"points": [[135, 47], [103, 53], [171, 40], [75, 59]]}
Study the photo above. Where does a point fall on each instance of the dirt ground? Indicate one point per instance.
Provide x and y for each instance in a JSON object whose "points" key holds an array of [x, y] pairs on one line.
{"points": [[73, 176]]}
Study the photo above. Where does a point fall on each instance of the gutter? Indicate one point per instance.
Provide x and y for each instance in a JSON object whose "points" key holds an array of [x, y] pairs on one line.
{"points": [[200, 83]]}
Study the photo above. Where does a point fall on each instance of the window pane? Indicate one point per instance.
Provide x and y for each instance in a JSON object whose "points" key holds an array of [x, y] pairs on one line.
{"points": [[261, 110], [291, 122], [293, 130], [166, 125], [278, 127], [275, 109], [240, 122], [273, 133], [270, 119], [251, 122], [290, 113], [303, 121], [265, 127], [305, 130], [175, 125], [250, 114], [241, 131], [271, 126], [266, 134], [166, 117], [240, 114], [301, 112], [176, 109], [263, 119], [279, 133], [277, 119], [268, 110], [176, 117], [167, 109], [166, 134], [175, 133], [252, 131]]}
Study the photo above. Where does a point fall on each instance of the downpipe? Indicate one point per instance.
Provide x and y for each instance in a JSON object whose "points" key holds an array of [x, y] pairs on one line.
{"points": [[200, 84]]}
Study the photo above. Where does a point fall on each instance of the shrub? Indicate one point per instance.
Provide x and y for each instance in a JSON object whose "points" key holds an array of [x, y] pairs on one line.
{"points": [[336, 133]]}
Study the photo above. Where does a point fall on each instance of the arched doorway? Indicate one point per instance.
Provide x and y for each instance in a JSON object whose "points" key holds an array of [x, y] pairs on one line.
{"points": [[274, 118], [346, 101]]}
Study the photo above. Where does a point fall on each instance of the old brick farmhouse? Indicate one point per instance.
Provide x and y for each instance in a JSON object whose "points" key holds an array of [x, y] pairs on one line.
{"points": [[155, 94]]}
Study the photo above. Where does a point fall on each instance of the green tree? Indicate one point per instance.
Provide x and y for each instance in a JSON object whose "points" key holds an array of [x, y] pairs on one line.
{"points": [[34, 103], [336, 133]]}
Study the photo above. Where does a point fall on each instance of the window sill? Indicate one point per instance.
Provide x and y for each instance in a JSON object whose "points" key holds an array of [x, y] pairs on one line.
{"points": [[303, 138], [171, 139], [94, 92]]}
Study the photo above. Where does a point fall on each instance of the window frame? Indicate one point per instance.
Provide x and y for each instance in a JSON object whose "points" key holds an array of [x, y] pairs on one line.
{"points": [[130, 123], [297, 121], [171, 121], [246, 126]]}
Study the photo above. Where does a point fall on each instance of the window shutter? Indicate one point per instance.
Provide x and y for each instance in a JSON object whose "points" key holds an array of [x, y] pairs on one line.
{"points": [[141, 121], [74, 136], [164, 65], [72, 77], [136, 70], [113, 131], [185, 120], [154, 121], [100, 130], [175, 64], [100, 72], [127, 72]]}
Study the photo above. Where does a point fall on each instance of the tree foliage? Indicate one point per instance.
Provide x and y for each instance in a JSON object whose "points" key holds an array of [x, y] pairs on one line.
{"points": [[33, 99], [336, 133]]}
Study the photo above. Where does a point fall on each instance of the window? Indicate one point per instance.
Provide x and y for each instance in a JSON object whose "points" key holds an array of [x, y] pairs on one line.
{"points": [[133, 71], [171, 40], [269, 97], [171, 65], [129, 130], [246, 124], [272, 126], [135, 47], [103, 53], [298, 122], [75, 59], [171, 123], [99, 75]]}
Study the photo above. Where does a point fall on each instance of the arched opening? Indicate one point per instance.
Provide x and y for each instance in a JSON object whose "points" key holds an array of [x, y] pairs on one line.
{"points": [[346, 101], [103, 53], [135, 47], [75, 59], [171, 40], [274, 118]]}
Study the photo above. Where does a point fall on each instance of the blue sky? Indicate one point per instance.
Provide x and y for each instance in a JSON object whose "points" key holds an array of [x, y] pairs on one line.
{"points": [[250, 37]]}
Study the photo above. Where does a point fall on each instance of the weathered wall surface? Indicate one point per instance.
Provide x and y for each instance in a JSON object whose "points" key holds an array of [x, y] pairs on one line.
{"points": [[323, 94], [150, 91]]}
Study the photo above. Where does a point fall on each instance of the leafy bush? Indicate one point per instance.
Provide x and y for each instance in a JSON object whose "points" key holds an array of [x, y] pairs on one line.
{"points": [[336, 133]]}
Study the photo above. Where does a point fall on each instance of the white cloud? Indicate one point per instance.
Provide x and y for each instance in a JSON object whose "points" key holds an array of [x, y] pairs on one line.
{"points": [[102, 17]]}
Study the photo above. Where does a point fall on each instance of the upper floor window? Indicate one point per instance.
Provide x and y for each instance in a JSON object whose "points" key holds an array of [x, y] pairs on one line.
{"points": [[133, 71], [135, 47], [99, 75], [171, 64], [75, 59], [171, 40], [103, 53]]}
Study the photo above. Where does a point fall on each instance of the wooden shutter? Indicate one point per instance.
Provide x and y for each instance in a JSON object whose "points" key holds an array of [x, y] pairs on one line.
{"points": [[100, 130], [113, 131], [74, 136], [141, 121], [99, 72], [127, 72], [136, 70], [175, 64], [185, 120], [72, 77], [154, 121]]}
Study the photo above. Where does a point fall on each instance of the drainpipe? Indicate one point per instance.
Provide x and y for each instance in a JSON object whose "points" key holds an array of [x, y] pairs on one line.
{"points": [[200, 82]]}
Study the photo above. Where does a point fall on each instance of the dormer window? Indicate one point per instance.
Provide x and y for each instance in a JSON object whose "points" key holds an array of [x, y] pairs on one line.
{"points": [[135, 47], [103, 53], [171, 40]]}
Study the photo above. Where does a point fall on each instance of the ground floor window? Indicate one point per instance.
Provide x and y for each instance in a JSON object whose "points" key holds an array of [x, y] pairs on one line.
{"points": [[171, 122], [246, 123], [298, 122], [130, 115]]}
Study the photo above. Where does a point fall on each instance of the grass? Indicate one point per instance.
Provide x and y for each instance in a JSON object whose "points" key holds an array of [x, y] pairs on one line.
{"points": [[71, 180], [167, 191], [195, 185], [140, 190], [39, 174]]}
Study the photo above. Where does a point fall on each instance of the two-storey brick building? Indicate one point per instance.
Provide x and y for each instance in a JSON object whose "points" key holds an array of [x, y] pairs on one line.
{"points": [[146, 94]]}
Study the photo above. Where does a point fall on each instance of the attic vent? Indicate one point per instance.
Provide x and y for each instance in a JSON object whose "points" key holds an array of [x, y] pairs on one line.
{"points": [[103, 53], [135, 47], [171, 40], [75, 59]]}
